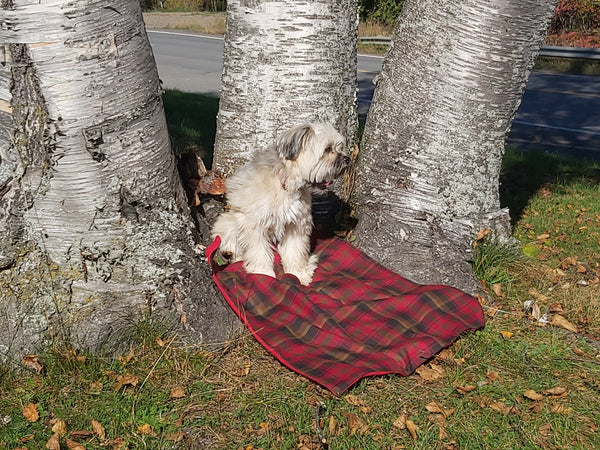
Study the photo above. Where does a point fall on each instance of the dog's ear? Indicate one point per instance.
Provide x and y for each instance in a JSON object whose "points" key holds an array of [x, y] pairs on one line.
{"points": [[289, 144]]}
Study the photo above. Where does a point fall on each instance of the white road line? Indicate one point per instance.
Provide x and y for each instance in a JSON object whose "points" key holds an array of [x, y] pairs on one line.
{"points": [[574, 130], [191, 34]]}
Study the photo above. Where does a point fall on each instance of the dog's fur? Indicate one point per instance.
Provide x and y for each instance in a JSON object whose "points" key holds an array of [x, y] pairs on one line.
{"points": [[270, 201]]}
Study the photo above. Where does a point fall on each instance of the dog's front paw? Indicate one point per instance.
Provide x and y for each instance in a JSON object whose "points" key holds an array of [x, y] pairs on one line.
{"points": [[306, 273], [259, 270]]}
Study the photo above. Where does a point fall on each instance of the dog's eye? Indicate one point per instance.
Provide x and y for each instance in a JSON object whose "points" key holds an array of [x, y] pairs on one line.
{"points": [[328, 149]]}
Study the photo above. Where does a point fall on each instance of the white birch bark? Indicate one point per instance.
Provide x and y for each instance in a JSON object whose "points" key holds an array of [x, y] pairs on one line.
{"points": [[285, 62], [428, 173], [97, 228]]}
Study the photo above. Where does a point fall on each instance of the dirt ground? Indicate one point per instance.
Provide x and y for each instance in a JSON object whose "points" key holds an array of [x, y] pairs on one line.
{"points": [[212, 23]]}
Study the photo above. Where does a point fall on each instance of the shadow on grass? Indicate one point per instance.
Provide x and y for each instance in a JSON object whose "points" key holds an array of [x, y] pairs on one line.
{"points": [[525, 173], [192, 122], [191, 119]]}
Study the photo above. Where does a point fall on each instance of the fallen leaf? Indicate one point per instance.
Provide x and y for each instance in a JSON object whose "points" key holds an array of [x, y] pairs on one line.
{"points": [[412, 429], [562, 322], [465, 389], [332, 426], [81, 434], [160, 342], [543, 237], [59, 426], [32, 362], [96, 387], [146, 429], [400, 422], [497, 288], [354, 400], [545, 430], [556, 308], [53, 443], [177, 392], [492, 375], [435, 407], [578, 351], [176, 437], [555, 391], [124, 360], [73, 445], [558, 408], [26, 438], [482, 234], [532, 395], [30, 412], [356, 424], [432, 373], [98, 429], [446, 355], [126, 380]]}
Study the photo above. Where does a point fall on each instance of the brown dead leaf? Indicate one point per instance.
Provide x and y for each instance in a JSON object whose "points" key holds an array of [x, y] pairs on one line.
{"points": [[543, 237], [412, 429], [558, 408], [555, 391], [432, 373], [545, 430], [126, 380], [435, 407], [501, 407], [96, 387], [497, 289], [146, 429], [507, 334], [562, 322], [400, 421], [492, 375], [446, 355], [482, 234], [212, 183], [356, 425], [32, 362], [59, 426], [26, 438], [332, 426], [98, 429], [160, 342], [30, 412], [177, 392], [556, 308], [532, 395], [354, 400], [54, 442], [466, 388], [81, 434], [124, 360], [578, 351], [74, 445], [176, 436]]}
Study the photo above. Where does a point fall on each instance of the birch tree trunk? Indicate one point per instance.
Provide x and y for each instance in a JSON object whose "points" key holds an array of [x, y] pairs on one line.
{"points": [[285, 62], [96, 233], [428, 173]]}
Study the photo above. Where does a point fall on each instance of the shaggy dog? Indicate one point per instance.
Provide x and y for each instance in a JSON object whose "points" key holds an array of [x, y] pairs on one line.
{"points": [[270, 201]]}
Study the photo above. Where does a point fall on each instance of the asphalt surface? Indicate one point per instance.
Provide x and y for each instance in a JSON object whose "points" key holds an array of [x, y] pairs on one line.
{"points": [[558, 112]]}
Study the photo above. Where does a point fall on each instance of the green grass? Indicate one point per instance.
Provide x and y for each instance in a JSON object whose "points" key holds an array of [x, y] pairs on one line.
{"points": [[241, 397], [191, 119]]}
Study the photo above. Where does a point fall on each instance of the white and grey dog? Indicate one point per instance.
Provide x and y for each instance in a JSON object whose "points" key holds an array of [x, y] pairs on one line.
{"points": [[270, 201]]}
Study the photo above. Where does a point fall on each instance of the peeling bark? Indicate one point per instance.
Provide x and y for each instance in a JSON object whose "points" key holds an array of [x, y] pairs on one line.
{"points": [[285, 62], [98, 230], [428, 173]]}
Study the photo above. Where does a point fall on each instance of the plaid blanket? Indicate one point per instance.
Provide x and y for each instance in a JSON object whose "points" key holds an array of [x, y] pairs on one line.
{"points": [[356, 318]]}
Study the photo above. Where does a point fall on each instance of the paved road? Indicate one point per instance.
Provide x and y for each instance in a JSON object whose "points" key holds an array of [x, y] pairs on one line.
{"points": [[558, 112]]}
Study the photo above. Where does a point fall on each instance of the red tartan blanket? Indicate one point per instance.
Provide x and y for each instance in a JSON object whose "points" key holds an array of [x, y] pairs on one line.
{"points": [[356, 318]]}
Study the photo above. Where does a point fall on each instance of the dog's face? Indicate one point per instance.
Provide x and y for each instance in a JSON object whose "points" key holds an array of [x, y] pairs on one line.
{"points": [[313, 153]]}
